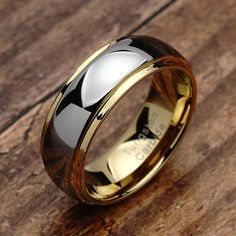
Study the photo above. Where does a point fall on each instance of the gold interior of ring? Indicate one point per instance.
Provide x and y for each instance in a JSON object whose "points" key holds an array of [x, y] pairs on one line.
{"points": [[139, 134]]}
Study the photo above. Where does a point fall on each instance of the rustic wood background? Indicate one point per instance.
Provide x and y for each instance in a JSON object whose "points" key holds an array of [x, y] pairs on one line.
{"points": [[42, 42]]}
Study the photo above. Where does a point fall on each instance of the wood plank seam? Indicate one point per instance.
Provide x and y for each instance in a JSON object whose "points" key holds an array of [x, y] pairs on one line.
{"points": [[56, 90], [152, 16]]}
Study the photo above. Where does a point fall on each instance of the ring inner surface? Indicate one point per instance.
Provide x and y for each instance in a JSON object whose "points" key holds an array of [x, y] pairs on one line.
{"points": [[138, 135]]}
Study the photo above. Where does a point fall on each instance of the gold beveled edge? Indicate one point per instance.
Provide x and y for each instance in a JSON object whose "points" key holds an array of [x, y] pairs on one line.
{"points": [[77, 179], [60, 94], [72, 77], [89, 60]]}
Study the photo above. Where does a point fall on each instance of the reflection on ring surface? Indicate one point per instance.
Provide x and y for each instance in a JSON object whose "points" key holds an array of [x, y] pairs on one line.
{"points": [[98, 145]]}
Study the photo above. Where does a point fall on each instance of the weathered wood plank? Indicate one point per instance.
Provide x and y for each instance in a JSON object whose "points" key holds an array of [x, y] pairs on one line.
{"points": [[32, 21], [193, 195], [59, 32], [181, 186], [7, 7]]}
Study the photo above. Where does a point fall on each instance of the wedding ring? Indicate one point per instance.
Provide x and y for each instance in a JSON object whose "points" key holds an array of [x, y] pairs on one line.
{"points": [[118, 119]]}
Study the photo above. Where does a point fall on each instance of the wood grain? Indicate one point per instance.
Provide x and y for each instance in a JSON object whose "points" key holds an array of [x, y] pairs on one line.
{"points": [[194, 194], [62, 33]]}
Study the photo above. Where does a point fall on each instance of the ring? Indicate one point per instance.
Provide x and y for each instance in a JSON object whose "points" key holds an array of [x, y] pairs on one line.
{"points": [[118, 119]]}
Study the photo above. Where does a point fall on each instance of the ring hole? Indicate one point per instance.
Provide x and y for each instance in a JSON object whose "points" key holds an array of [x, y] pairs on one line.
{"points": [[138, 135]]}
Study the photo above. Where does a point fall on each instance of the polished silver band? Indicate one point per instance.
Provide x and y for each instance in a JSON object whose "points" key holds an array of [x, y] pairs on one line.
{"points": [[84, 95]]}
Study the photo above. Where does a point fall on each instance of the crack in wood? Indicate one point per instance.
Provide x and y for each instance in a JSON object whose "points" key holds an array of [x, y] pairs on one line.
{"points": [[28, 130]]}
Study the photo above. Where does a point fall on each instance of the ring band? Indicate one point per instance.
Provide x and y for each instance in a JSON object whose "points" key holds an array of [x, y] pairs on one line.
{"points": [[91, 96]]}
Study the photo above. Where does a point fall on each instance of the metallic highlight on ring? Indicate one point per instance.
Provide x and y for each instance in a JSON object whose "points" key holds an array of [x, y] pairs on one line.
{"points": [[88, 98]]}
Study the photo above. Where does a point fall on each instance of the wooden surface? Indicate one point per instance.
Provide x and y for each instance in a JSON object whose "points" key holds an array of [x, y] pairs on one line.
{"points": [[42, 42]]}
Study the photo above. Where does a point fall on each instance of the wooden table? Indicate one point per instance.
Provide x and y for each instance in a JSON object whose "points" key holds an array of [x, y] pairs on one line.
{"points": [[42, 42]]}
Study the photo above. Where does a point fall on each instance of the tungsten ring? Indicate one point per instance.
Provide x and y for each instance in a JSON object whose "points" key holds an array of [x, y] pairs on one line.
{"points": [[118, 119]]}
